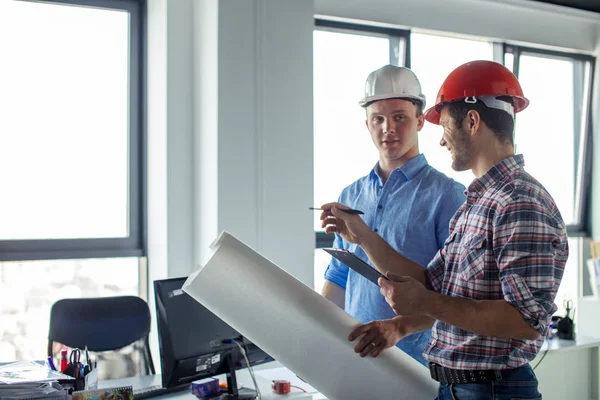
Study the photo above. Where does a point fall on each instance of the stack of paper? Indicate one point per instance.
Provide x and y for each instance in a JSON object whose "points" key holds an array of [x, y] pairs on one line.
{"points": [[30, 380], [20, 391]]}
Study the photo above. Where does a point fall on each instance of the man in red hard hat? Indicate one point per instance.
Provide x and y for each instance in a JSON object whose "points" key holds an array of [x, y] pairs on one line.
{"points": [[489, 292]]}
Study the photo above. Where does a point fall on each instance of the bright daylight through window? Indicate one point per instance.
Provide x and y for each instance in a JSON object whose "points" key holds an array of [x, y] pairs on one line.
{"points": [[549, 143], [64, 131], [65, 146], [432, 67]]}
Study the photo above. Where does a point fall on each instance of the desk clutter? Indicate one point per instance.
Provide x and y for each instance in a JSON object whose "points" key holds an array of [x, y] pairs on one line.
{"points": [[31, 380], [75, 378], [85, 374]]}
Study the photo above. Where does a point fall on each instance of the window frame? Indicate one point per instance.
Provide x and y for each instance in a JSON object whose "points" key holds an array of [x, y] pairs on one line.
{"points": [[582, 80], [395, 37], [134, 245]]}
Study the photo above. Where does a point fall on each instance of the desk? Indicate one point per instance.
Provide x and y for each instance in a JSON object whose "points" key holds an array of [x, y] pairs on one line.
{"points": [[264, 374], [569, 370]]}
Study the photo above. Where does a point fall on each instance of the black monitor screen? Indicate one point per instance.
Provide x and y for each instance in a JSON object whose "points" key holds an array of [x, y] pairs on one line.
{"points": [[193, 341]]}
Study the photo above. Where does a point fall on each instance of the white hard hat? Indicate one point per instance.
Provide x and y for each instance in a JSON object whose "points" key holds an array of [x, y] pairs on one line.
{"points": [[392, 82]]}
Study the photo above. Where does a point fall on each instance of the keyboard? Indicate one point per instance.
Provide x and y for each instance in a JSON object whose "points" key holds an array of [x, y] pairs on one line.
{"points": [[151, 391], [157, 390]]}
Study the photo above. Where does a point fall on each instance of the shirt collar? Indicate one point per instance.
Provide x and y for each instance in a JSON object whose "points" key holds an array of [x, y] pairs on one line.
{"points": [[409, 169], [495, 174]]}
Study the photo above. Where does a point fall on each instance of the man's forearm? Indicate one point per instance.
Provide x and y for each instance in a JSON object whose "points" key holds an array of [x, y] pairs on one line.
{"points": [[386, 259], [411, 324], [495, 318]]}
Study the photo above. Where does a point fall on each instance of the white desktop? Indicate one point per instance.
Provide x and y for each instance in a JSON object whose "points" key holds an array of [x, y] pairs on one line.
{"points": [[265, 374]]}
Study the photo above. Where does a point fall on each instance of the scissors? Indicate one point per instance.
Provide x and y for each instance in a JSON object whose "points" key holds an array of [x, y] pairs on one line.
{"points": [[75, 357], [74, 367], [568, 305]]}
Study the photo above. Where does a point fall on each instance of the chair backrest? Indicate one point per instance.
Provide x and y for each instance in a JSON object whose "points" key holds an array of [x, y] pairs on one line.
{"points": [[114, 329]]}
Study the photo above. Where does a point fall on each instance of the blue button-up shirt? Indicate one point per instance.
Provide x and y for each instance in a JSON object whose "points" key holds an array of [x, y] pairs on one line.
{"points": [[411, 212]]}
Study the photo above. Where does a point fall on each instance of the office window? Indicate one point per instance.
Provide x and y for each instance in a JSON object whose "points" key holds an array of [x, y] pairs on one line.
{"points": [[344, 55], [432, 59], [29, 288], [70, 134], [72, 151], [552, 133]]}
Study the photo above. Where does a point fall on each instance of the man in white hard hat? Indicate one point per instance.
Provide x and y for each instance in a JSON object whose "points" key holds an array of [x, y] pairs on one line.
{"points": [[406, 201]]}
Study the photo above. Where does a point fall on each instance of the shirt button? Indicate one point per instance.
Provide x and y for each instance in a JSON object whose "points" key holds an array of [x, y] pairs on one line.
{"points": [[379, 207], [375, 230]]}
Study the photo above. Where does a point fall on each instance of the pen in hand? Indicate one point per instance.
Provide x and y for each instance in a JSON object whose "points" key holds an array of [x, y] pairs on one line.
{"points": [[347, 211]]}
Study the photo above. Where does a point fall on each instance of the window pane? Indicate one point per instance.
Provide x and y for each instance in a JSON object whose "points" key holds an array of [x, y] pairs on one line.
{"points": [[509, 60], [569, 285], [544, 132], [64, 126], [30, 288], [432, 59], [343, 150]]}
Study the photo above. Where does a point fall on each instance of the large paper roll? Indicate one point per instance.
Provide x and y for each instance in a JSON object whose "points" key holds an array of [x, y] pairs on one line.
{"points": [[300, 328]]}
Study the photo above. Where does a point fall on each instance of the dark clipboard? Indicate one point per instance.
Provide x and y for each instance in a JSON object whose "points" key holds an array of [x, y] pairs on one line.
{"points": [[357, 264]]}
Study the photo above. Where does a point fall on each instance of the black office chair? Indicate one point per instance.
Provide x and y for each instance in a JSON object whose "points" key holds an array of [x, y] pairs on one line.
{"points": [[114, 329]]}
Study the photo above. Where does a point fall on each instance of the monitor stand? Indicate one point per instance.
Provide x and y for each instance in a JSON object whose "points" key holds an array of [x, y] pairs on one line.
{"points": [[232, 388]]}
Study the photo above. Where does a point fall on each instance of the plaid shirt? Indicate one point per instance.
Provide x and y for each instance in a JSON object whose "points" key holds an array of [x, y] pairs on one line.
{"points": [[507, 241]]}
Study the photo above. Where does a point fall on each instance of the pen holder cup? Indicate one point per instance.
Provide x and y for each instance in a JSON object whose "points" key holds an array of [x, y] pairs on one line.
{"points": [[80, 384]]}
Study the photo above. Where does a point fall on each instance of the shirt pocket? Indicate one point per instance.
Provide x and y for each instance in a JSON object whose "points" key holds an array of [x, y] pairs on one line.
{"points": [[471, 265], [449, 249]]}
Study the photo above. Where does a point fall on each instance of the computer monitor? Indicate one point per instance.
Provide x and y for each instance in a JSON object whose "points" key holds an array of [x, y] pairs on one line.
{"points": [[196, 344]]}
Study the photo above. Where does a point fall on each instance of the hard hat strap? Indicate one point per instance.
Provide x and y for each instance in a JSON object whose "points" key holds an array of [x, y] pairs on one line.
{"points": [[493, 102]]}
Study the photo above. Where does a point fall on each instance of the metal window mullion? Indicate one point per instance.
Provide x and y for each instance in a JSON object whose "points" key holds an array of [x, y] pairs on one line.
{"points": [[407, 50], [581, 186], [516, 61], [499, 49], [578, 116], [395, 51], [515, 67], [400, 50], [136, 211]]}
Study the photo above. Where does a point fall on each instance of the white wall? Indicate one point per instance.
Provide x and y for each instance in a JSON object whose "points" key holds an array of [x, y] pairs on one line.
{"points": [[170, 150], [261, 130], [230, 135], [170, 138]]}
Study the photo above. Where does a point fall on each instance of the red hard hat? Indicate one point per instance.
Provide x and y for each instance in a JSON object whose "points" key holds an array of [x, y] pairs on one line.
{"points": [[478, 79]]}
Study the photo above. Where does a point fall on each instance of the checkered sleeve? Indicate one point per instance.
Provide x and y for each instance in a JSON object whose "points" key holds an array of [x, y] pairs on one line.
{"points": [[531, 249], [434, 273]]}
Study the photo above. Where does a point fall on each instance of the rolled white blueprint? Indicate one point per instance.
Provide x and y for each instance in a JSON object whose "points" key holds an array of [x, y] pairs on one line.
{"points": [[300, 328]]}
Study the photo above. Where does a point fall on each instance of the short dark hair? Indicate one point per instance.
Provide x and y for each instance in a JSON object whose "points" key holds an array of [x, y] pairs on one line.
{"points": [[499, 122], [417, 103]]}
